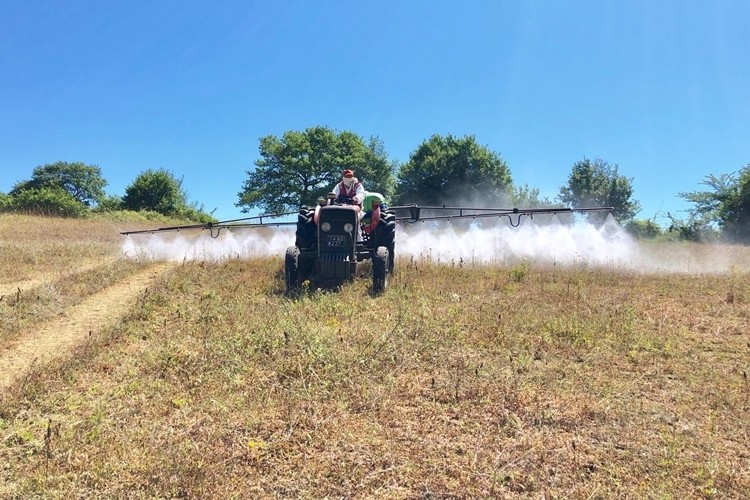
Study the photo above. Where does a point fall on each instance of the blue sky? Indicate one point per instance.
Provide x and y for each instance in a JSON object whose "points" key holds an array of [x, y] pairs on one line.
{"points": [[660, 88]]}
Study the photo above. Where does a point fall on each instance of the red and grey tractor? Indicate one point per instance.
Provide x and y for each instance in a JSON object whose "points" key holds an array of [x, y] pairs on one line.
{"points": [[331, 239]]}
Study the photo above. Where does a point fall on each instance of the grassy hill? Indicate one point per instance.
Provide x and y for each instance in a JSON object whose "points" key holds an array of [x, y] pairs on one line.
{"points": [[459, 381]]}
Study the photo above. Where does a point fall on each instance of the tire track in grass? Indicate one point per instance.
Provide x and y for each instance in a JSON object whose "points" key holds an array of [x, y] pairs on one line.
{"points": [[55, 338], [8, 289]]}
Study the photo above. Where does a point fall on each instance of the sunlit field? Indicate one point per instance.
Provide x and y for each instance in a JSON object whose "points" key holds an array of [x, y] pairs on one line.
{"points": [[543, 361]]}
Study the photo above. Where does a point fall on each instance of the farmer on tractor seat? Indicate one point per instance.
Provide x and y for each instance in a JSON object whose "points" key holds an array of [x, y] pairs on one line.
{"points": [[349, 191]]}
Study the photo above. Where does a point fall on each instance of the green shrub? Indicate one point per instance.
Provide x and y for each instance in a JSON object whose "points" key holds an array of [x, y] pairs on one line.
{"points": [[48, 201], [196, 215], [6, 202], [643, 228], [108, 203]]}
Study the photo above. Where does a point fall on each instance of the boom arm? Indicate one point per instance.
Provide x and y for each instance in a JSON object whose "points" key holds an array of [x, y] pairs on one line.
{"points": [[216, 227], [415, 212]]}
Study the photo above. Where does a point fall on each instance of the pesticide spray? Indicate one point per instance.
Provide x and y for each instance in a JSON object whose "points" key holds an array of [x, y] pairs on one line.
{"points": [[542, 240]]}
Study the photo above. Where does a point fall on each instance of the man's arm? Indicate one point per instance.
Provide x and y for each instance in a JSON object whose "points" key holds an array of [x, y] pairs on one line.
{"points": [[359, 194]]}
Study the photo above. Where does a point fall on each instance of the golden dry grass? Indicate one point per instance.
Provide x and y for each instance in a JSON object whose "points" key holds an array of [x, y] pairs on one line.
{"points": [[49, 265], [457, 382]]}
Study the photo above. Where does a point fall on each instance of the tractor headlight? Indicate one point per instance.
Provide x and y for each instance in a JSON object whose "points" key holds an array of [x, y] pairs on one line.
{"points": [[325, 227], [348, 227]]}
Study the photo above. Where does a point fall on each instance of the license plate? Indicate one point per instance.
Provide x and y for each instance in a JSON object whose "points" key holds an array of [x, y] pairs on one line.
{"points": [[335, 240]]}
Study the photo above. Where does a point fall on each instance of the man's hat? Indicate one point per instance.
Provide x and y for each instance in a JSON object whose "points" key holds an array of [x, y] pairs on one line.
{"points": [[348, 173]]}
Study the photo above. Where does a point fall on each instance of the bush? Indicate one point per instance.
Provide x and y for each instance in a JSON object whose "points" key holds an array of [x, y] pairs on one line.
{"points": [[156, 190], [695, 228], [196, 215], [109, 204], [160, 191], [48, 201], [643, 228], [6, 202]]}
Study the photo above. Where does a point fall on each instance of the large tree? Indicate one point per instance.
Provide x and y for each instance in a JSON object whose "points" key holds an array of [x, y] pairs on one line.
{"points": [[83, 182], [302, 166], [156, 190], [597, 183], [446, 169], [726, 205]]}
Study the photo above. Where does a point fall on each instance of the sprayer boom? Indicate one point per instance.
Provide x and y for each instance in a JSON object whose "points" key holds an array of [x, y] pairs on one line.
{"points": [[415, 213], [216, 227]]}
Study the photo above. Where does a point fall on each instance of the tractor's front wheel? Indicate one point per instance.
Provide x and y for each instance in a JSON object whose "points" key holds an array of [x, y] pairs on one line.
{"points": [[305, 235], [291, 269], [380, 265]]}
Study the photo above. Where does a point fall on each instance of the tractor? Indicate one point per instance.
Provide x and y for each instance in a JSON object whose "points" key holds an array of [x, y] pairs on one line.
{"points": [[331, 238]]}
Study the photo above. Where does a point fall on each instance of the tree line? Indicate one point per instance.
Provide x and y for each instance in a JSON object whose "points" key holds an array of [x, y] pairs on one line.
{"points": [[301, 166], [77, 189]]}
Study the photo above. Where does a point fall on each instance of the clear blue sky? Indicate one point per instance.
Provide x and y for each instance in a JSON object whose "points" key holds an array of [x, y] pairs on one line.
{"points": [[660, 88]]}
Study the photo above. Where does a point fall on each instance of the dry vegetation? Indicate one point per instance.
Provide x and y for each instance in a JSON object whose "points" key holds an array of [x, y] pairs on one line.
{"points": [[457, 382]]}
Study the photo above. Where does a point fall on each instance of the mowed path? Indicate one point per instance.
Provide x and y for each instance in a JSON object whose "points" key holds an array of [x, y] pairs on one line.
{"points": [[55, 338]]}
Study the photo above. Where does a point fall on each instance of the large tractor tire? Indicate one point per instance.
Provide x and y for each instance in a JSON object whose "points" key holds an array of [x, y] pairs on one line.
{"points": [[385, 235], [305, 236], [391, 257], [380, 270], [291, 269]]}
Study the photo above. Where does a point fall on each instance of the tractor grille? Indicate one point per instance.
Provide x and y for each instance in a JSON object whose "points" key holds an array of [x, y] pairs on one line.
{"points": [[334, 257]]}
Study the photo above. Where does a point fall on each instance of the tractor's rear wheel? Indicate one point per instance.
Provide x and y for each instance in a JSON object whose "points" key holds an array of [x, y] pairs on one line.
{"points": [[380, 270], [385, 235], [391, 257], [291, 269], [385, 231]]}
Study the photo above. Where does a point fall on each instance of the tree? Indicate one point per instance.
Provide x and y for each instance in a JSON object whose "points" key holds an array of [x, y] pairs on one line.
{"points": [[597, 183], [84, 182], [735, 213], [727, 205], [302, 166], [448, 169], [160, 191], [156, 190]]}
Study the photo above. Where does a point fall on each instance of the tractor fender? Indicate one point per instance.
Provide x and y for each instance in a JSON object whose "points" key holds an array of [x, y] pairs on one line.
{"points": [[316, 215], [374, 220]]}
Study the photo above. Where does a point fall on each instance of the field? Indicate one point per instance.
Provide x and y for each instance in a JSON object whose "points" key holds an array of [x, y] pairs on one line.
{"points": [[132, 378]]}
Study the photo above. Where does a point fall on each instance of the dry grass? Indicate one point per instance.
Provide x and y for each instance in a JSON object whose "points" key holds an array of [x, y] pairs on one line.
{"points": [[49, 265], [457, 382], [30, 246]]}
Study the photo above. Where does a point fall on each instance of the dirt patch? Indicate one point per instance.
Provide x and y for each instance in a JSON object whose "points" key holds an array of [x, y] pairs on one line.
{"points": [[55, 338]]}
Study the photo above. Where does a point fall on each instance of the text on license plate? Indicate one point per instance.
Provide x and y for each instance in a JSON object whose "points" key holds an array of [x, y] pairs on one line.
{"points": [[335, 240]]}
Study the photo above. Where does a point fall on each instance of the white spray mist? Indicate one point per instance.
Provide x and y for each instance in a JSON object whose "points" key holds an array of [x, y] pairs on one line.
{"points": [[498, 242], [544, 240], [196, 244]]}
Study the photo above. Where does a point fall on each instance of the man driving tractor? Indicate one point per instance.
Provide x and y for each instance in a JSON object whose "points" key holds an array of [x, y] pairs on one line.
{"points": [[349, 191]]}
